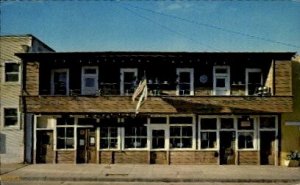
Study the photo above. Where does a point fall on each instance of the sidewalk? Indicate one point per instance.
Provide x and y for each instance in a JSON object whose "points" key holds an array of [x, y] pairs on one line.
{"points": [[152, 173]]}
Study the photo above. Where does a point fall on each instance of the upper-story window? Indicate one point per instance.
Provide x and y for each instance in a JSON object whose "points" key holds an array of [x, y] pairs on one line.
{"points": [[128, 80], [221, 80], [89, 80], [254, 80], [10, 117], [185, 81], [60, 82], [11, 73]]}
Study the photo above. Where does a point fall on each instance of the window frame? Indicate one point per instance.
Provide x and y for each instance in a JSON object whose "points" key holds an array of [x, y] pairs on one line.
{"points": [[200, 131], [84, 76], [251, 70], [67, 81], [225, 76], [122, 73], [117, 137], [18, 73], [17, 125], [188, 70], [135, 137], [74, 126], [254, 131]]}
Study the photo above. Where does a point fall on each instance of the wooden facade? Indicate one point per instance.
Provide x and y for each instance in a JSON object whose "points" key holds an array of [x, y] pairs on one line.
{"points": [[202, 108]]}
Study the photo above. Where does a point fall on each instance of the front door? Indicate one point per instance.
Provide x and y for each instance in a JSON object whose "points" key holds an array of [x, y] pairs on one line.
{"points": [[158, 144], [44, 146], [227, 147], [267, 147], [86, 145]]}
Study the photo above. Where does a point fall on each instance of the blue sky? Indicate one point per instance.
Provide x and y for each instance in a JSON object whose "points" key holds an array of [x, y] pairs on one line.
{"points": [[157, 25]]}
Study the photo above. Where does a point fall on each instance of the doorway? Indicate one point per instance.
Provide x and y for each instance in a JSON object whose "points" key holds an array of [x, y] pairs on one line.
{"points": [[267, 147], [44, 146], [158, 144], [227, 147], [86, 145]]}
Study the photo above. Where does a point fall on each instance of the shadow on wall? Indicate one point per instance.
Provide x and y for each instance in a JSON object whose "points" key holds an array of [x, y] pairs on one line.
{"points": [[2, 143]]}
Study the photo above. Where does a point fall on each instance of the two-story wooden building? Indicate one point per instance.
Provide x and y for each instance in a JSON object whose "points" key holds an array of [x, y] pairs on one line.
{"points": [[202, 107]]}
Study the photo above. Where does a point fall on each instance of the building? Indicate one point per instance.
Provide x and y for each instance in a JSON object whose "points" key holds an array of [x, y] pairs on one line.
{"points": [[202, 107], [11, 122], [291, 121]]}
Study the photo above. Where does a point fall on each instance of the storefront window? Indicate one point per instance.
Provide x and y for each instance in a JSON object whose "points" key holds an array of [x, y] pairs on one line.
{"points": [[245, 140], [135, 137], [267, 122], [65, 137], [108, 137], [181, 136], [246, 133]]}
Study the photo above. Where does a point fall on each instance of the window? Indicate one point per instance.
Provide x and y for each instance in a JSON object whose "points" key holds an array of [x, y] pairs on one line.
{"points": [[128, 81], [65, 133], [10, 117], [108, 137], [208, 133], [60, 82], [185, 81], [221, 80], [246, 133], [227, 123], [181, 132], [135, 137], [89, 81], [267, 122], [11, 72], [253, 81]]}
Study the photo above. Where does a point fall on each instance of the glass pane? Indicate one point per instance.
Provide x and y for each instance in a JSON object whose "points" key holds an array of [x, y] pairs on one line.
{"points": [[65, 121], [245, 140], [10, 112], [184, 77], [129, 142], [60, 143], [89, 82], [267, 122], [221, 70], [129, 77], [103, 132], [208, 123], [175, 131], [187, 143], [113, 143], [70, 132], [158, 139], [103, 143], [12, 77], [60, 132], [113, 132], [220, 82], [60, 83], [11, 67], [69, 143], [90, 71], [227, 123], [181, 120], [158, 120], [187, 131], [11, 121], [208, 139]]}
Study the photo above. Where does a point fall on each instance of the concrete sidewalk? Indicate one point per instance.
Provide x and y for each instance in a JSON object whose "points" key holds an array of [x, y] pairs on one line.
{"points": [[152, 173]]}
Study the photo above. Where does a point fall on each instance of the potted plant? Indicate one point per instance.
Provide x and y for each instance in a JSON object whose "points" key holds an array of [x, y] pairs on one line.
{"points": [[293, 159]]}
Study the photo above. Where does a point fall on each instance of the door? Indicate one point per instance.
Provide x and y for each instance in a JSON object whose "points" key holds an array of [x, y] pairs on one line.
{"points": [[44, 146], [86, 145], [221, 80], [254, 80], [267, 147], [60, 82], [227, 147], [158, 144], [89, 81]]}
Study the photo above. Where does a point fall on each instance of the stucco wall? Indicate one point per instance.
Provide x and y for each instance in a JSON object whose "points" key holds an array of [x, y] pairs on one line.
{"points": [[291, 134]]}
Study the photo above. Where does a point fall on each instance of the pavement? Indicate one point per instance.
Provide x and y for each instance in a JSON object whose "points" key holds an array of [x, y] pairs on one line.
{"points": [[149, 173]]}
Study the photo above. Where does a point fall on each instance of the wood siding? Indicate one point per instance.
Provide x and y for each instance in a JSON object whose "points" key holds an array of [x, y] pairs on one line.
{"points": [[123, 157], [248, 157], [31, 86], [119, 104], [193, 157], [65, 156], [283, 78]]}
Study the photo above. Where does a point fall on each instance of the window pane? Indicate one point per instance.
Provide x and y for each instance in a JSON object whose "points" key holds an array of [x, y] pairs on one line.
{"points": [[181, 120], [60, 143], [245, 140], [90, 71], [267, 122], [65, 121], [220, 82], [158, 139], [187, 131], [227, 123], [11, 77], [184, 77], [174, 131], [208, 140], [10, 117], [69, 142], [158, 120], [60, 132], [103, 143], [208, 123], [221, 70], [70, 132], [89, 82]]}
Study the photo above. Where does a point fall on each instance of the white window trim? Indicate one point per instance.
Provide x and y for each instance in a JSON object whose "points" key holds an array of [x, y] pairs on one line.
{"points": [[52, 79], [126, 70], [118, 138], [191, 71], [251, 70], [83, 75], [17, 126], [224, 75], [210, 130], [4, 73]]}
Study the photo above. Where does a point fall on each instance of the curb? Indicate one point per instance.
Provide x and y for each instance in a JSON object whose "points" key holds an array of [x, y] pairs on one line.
{"points": [[167, 180]]}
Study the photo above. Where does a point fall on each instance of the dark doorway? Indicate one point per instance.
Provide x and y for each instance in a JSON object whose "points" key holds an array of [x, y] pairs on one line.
{"points": [[44, 146], [227, 147], [267, 147], [86, 145]]}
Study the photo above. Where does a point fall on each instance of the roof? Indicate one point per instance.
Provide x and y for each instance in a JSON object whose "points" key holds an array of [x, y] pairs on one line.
{"points": [[33, 38], [156, 54]]}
